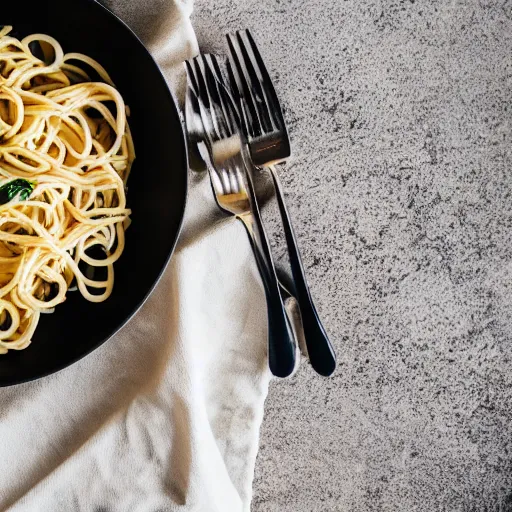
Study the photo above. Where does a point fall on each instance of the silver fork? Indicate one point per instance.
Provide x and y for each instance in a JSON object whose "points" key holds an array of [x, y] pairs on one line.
{"points": [[264, 126], [221, 150]]}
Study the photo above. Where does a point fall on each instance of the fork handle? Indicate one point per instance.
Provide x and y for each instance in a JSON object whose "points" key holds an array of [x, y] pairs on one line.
{"points": [[281, 342], [320, 351]]}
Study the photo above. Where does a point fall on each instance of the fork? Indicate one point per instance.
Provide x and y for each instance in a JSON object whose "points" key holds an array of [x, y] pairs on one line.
{"points": [[222, 153], [265, 129]]}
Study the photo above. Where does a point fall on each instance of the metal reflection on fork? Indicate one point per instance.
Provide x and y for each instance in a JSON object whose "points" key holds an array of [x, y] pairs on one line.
{"points": [[222, 151]]}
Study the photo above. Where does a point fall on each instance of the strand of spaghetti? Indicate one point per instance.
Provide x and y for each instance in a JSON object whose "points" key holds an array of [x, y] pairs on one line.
{"points": [[20, 109], [91, 62]]}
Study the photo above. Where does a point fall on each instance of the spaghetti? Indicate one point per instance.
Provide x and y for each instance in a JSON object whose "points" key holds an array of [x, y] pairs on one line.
{"points": [[65, 156]]}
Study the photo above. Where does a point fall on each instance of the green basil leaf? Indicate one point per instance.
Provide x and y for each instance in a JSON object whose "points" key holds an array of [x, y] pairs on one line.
{"points": [[18, 188]]}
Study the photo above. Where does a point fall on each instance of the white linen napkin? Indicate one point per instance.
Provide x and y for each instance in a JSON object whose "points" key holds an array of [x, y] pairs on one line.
{"points": [[164, 416]]}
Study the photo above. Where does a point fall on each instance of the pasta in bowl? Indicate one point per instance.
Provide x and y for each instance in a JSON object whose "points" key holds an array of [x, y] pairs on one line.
{"points": [[65, 156], [75, 214]]}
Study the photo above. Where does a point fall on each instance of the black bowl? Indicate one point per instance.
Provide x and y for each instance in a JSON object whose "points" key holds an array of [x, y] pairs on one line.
{"points": [[156, 188]]}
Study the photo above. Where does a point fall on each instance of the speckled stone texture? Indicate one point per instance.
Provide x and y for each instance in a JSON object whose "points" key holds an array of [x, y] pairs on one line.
{"points": [[400, 190]]}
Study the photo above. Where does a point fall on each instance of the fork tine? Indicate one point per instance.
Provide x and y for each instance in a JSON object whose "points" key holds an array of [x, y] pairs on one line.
{"points": [[240, 180], [243, 116], [225, 177], [266, 83], [255, 78], [211, 91], [219, 107], [193, 121], [226, 100], [198, 81], [193, 102], [219, 178], [216, 182], [237, 70], [212, 81], [236, 177], [191, 78], [209, 98], [218, 94]]}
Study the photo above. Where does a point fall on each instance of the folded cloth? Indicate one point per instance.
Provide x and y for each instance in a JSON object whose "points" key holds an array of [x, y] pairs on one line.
{"points": [[164, 416]]}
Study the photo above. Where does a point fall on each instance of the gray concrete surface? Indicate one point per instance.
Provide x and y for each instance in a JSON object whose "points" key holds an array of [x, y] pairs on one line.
{"points": [[400, 189]]}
